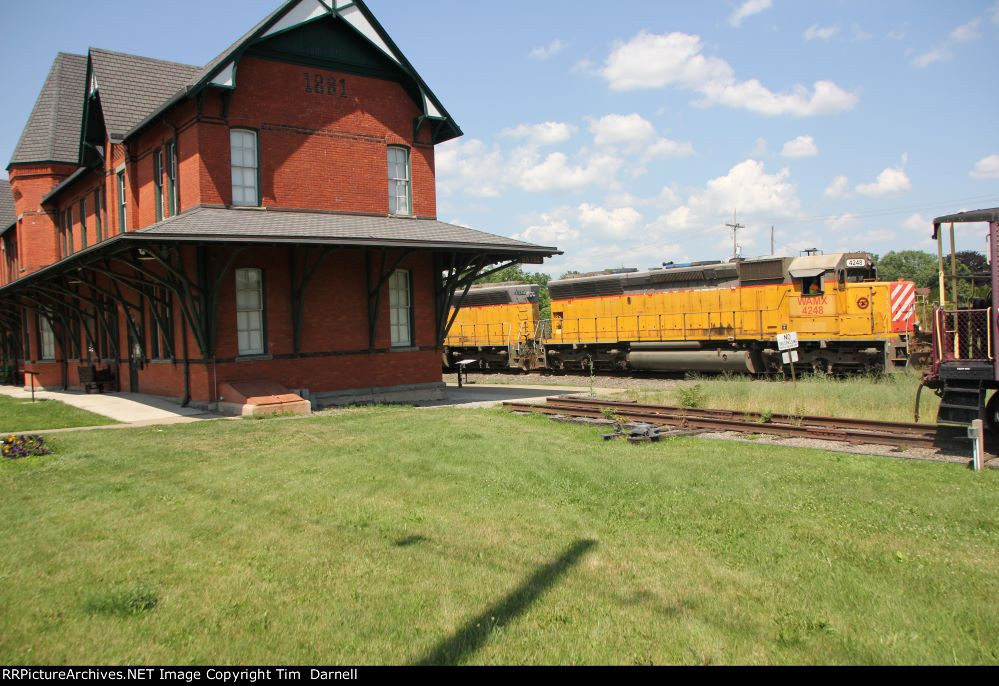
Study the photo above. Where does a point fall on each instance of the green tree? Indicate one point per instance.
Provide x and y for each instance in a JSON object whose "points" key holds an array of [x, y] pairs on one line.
{"points": [[912, 265]]}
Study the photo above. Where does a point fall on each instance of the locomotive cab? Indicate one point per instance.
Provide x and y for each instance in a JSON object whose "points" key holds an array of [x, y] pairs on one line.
{"points": [[964, 372]]}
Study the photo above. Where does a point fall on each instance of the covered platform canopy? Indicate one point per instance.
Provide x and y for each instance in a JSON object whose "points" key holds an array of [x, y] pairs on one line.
{"points": [[129, 268]]}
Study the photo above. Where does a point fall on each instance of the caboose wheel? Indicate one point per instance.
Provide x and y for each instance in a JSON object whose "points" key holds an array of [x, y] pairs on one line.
{"points": [[992, 414]]}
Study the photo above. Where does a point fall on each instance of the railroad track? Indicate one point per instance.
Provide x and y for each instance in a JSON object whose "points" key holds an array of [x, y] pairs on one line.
{"points": [[855, 431]]}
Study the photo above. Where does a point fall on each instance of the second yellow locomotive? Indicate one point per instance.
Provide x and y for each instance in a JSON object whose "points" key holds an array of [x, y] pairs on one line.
{"points": [[706, 317]]}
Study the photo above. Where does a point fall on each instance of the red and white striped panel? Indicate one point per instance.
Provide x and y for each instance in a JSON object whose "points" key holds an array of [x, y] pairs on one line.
{"points": [[903, 306]]}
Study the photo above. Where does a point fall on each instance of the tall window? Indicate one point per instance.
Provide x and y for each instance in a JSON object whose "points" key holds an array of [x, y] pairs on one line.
{"points": [[244, 168], [158, 182], [250, 311], [122, 201], [46, 338], [69, 231], [83, 223], [98, 219], [398, 170], [171, 170], [401, 307]]}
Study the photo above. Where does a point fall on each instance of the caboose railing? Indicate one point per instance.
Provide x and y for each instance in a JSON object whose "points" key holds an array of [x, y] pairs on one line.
{"points": [[963, 335]]}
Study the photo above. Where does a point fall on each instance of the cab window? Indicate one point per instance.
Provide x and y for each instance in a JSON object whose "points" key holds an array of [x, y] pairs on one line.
{"points": [[811, 285], [860, 275]]}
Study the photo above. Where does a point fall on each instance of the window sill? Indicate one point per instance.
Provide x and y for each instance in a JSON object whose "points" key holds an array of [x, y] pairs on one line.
{"points": [[254, 358], [410, 349]]}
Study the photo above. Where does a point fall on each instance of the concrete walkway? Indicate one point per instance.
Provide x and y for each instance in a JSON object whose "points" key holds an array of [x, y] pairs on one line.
{"points": [[131, 409]]}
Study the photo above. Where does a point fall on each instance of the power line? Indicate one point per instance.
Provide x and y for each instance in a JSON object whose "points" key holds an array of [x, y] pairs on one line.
{"points": [[882, 213]]}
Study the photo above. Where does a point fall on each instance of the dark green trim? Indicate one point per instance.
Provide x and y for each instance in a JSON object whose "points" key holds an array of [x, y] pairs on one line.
{"points": [[171, 162], [119, 183], [83, 223]]}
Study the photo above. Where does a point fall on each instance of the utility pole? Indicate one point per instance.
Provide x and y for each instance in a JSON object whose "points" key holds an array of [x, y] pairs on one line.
{"points": [[735, 226]]}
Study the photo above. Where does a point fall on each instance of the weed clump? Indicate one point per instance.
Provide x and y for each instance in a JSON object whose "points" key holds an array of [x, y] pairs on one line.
{"points": [[129, 601]]}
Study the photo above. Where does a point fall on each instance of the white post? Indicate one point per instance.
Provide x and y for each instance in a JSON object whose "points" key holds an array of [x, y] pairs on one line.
{"points": [[977, 435]]}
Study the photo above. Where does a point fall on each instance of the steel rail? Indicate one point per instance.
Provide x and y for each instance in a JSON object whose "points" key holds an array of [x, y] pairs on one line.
{"points": [[695, 419], [832, 422]]}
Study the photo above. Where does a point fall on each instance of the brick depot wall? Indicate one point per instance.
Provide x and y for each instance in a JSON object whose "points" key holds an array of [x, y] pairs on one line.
{"points": [[318, 152], [37, 233]]}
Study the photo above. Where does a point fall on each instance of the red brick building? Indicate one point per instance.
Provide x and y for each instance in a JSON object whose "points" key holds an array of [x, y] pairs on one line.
{"points": [[269, 217]]}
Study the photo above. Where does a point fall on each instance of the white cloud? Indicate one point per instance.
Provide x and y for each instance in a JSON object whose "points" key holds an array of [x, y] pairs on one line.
{"points": [[967, 32], [748, 188], [622, 129], [636, 134], [892, 181], [619, 223], [986, 168], [935, 55], [547, 51], [915, 222], [664, 147], [802, 146], [815, 31], [548, 133], [556, 174], [859, 34], [842, 221], [651, 61], [469, 166], [748, 9], [838, 188], [551, 229], [760, 149]]}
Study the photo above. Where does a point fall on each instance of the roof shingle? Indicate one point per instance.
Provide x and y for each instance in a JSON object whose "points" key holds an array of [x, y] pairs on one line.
{"points": [[8, 215], [344, 229], [131, 87], [52, 133]]}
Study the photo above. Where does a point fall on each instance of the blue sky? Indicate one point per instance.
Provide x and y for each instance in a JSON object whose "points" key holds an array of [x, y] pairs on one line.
{"points": [[626, 133]]}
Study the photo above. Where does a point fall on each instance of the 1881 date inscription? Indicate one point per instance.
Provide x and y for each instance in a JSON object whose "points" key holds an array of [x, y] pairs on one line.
{"points": [[317, 84]]}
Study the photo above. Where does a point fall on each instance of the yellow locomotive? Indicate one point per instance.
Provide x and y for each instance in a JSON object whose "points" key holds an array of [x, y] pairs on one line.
{"points": [[707, 317]]}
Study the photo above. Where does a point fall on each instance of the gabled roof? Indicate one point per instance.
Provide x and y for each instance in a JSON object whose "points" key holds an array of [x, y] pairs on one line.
{"points": [[221, 71], [8, 215], [52, 133], [209, 223], [130, 87]]}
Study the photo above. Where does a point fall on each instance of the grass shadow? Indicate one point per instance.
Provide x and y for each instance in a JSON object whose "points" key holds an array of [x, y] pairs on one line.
{"points": [[411, 541], [471, 637]]}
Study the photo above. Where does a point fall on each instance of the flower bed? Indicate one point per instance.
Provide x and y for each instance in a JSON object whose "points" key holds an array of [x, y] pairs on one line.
{"points": [[17, 447]]}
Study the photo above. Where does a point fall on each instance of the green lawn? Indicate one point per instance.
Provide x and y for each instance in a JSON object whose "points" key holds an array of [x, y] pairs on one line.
{"points": [[404, 536], [23, 415], [891, 397]]}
